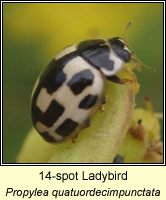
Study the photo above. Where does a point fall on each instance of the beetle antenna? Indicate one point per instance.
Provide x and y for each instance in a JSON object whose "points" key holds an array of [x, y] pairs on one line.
{"points": [[126, 32], [136, 59]]}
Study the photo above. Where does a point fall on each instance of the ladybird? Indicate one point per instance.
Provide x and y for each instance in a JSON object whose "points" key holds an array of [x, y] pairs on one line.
{"points": [[72, 88]]}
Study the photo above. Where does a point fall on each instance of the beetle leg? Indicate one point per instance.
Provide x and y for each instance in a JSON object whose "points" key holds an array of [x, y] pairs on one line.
{"points": [[101, 108], [116, 79], [74, 138], [87, 123], [104, 100]]}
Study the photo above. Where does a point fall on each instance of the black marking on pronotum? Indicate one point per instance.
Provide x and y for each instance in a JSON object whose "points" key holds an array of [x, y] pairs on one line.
{"points": [[50, 116], [47, 137], [80, 81], [88, 102], [118, 48], [67, 127]]}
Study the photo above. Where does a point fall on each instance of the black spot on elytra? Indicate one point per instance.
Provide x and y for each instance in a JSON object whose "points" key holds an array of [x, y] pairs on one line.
{"points": [[80, 81], [53, 77], [88, 102], [47, 137], [50, 116], [67, 127]]}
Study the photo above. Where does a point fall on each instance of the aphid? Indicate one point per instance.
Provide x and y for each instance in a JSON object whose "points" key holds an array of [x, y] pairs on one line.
{"points": [[72, 87]]}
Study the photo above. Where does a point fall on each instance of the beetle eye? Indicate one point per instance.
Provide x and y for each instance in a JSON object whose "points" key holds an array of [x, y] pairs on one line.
{"points": [[120, 48]]}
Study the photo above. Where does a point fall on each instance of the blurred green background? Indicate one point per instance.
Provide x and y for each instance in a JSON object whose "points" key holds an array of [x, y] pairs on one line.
{"points": [[34, 32]]}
